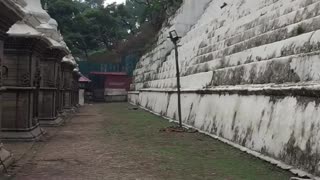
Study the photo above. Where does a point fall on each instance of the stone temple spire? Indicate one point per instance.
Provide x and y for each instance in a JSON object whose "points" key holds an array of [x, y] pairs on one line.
{"points": [[38, 22]]}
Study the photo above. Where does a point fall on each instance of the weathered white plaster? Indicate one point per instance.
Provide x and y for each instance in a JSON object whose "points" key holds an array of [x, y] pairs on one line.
{"points": [[22, 29], [294, 170], [250, 74], [115, 92], [38, 23], [70, 60], [81, 97], [263, 124]]}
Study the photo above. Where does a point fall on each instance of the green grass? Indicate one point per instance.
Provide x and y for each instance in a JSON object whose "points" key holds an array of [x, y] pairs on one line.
{"points": [[181, 155]]}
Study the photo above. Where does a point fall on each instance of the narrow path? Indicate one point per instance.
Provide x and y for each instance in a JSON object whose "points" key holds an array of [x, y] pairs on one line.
{"points": [[114, 141], [76, 151]]}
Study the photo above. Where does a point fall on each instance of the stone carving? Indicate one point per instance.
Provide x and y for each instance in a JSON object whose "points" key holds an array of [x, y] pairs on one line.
{"points": [[37, 77], [25, 79], [5, 72]]}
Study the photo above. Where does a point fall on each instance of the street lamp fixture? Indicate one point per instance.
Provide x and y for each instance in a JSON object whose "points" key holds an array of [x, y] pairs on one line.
{"points": [[223, 5], [173, 35]]}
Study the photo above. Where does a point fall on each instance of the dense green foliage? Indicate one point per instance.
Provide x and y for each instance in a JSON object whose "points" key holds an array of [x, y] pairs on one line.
{"points": [[88, 26]]}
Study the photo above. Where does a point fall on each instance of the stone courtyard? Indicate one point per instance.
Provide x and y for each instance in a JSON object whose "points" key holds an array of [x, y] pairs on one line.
{"points": [[241, 78], [108, 141]]}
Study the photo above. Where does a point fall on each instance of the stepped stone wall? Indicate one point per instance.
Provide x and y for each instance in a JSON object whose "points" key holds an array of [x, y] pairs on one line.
{"points": [[250, 74]]}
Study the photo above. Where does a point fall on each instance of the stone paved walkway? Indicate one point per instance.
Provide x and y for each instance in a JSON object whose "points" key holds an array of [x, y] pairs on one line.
{"points": [[74, 151]]}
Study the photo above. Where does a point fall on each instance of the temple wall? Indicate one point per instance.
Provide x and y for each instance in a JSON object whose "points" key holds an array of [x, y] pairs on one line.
{"points": [[249, 74]]}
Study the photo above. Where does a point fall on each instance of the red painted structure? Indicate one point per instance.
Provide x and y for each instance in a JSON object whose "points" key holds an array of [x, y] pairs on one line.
{"points": [[110, 86], [83, 79]]}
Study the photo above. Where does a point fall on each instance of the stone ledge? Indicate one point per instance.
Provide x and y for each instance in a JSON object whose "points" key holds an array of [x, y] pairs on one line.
{"points": [[278, 163], [24, 135], [133, 92], [51, 122], [295, 89]]}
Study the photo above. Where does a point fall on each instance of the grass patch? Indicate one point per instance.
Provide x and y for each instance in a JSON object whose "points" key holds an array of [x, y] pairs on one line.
{"points": [[180, 155]]}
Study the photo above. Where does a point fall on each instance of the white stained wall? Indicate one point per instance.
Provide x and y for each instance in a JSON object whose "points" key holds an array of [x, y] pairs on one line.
{"points": [[81, 97], [240, 44], [252, 44]]}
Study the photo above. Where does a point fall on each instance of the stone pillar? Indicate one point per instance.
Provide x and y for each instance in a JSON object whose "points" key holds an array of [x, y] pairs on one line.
{"points": [[59, 82], [72, 92], [49, 86], [67, 77], [9, 14], [22, 87], [81, 97], [75, 88]]}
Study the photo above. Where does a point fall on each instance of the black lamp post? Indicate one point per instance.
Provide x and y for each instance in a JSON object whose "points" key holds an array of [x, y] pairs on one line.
{"points": [[173, 35]]}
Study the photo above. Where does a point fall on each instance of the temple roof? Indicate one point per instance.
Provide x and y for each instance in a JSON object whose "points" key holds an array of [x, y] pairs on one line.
{"points": [[22, 29], [37, 22], [110, 73], [84, 79], [70, 60]]}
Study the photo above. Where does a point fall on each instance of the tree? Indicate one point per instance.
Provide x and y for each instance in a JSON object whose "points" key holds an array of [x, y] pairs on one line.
{"points": [[95, 3], [155, 11], [88, 26], [71, 24]]}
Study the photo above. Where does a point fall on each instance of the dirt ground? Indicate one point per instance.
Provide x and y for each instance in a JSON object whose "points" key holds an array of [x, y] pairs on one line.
{"points": [[114, 141]]}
